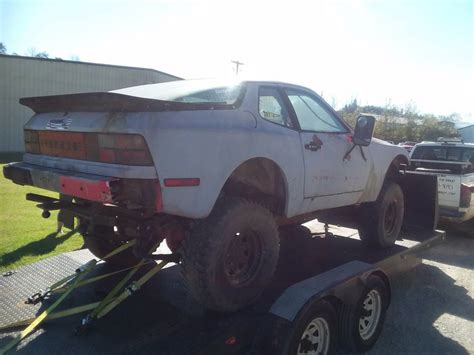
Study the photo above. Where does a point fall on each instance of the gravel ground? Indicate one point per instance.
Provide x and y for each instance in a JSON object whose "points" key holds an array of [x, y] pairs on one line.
{"points": [[432, 308], [432, 311]]}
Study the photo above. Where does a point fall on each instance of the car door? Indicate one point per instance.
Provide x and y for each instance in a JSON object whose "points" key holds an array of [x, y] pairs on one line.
{"points": [[332, 179]]}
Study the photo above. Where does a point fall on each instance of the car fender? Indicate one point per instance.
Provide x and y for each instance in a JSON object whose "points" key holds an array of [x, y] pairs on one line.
{"points": [[383, 155]]}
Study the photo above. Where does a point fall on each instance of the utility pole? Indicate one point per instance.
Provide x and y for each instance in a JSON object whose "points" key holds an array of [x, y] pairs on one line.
{"points": [[237, 64]]}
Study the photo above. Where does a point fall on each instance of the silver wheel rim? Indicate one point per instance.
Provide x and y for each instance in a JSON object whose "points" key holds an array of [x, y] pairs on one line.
{"points": [[372, 308], [315, 338]]}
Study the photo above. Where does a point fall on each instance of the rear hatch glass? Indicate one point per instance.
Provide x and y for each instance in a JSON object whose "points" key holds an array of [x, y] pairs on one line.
{"points": [[449, 159], [188, 91]]}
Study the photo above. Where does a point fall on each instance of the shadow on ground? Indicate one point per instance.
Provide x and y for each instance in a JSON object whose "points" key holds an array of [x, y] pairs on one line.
{"points": [[456, 250], [38, 247], [427, 306], [426, 314]]}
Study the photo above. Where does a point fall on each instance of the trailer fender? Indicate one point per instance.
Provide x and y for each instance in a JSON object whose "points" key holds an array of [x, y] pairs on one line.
{"points": [[346, 283]]}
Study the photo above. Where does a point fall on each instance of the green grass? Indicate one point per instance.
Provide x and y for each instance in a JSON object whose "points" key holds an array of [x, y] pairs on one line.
{"points": [[25, 236]]}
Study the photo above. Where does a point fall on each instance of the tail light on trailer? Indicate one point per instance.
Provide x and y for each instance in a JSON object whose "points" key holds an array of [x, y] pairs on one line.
{"points": [[125, 149], [466, 193]]}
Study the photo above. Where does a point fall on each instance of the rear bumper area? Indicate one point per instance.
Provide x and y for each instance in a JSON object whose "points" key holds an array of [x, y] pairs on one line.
{"points": [[456, 215], [88, 187], [17, 175], [136, 193]]}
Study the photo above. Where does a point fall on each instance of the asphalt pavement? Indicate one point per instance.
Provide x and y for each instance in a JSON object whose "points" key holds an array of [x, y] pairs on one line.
{"points": [[432, 308]]}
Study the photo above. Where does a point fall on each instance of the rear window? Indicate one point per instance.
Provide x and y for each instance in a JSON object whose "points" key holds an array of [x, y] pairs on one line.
{"points": [[189, 91], [455, 159], [456, 154]]}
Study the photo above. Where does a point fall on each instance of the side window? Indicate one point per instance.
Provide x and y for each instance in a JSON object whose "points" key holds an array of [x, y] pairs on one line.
{"points": [[312, 116], [272, 108], [468, 155]]}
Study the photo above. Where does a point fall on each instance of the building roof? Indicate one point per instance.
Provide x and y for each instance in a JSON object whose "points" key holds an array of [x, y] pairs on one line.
{"points": [[471, 125], [86, 63]]}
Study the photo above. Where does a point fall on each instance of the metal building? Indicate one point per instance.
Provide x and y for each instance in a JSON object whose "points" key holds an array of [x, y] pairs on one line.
{"points": [[467, 133], [27, 76]]}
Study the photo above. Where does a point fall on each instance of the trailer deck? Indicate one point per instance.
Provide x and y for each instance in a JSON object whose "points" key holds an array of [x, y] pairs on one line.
{"points": [[163, 318]]}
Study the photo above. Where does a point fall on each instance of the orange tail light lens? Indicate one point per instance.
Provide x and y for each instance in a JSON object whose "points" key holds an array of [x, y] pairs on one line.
{"points": [[124, 149]]}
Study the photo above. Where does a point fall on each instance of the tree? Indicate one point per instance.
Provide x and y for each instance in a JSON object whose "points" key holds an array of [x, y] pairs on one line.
{"points": [[41, 55], [31, 51], [3, 49], [402, 124]]}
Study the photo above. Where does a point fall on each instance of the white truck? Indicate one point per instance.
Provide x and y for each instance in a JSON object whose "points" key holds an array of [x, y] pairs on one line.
{"points": [[211, 167], [452, 161]]}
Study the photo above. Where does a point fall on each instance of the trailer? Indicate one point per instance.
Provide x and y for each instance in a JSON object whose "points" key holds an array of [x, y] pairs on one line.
{"points": [[329, 292]]}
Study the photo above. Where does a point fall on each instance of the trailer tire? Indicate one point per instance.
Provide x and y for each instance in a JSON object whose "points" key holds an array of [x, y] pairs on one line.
{"points": [[319, 317], [231, 255], [103, 242], [380, 222], [361, 324]]}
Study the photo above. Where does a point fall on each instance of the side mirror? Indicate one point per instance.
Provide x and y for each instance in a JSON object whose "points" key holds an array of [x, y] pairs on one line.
{"points": [[364, 130]]}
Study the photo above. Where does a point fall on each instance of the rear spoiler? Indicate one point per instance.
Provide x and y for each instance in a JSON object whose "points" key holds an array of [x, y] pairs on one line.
{"points": [[111, 102]]}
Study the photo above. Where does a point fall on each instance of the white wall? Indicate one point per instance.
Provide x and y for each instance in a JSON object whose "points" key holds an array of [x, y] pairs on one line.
{"points": [[25, 77]]}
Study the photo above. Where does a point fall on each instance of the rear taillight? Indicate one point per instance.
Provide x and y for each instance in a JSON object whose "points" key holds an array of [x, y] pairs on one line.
{"points": [[31, 142], [466, 193], [125, 149]]}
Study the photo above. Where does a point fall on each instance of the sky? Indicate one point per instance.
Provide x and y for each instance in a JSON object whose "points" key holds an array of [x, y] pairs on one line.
{"points": [[416, 53]]}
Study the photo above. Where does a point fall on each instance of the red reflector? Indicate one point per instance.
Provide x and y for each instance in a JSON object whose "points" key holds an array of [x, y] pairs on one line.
{"points": [[107, 155], [465, 199], [231, 340], [182, 182], [158, 198]]}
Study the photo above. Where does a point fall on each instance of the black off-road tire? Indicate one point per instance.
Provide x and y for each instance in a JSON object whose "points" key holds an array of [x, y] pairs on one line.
{"points": [[353, 337], [380, 222], [226, 271], [103, 241], [319, 317]]}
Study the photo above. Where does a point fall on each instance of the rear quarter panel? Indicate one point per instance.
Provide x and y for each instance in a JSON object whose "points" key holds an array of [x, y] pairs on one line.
{"points": [[210, 145]]}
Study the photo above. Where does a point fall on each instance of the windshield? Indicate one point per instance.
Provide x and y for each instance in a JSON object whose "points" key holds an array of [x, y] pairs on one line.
{"points": [[190, 91]]}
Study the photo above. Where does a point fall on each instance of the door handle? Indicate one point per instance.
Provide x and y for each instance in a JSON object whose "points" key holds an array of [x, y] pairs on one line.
{"points": [[312, 146]]}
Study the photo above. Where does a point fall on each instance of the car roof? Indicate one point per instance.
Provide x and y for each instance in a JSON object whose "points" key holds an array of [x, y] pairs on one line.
{"points": [[445, 144], [148, 90], [273, 82]]}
